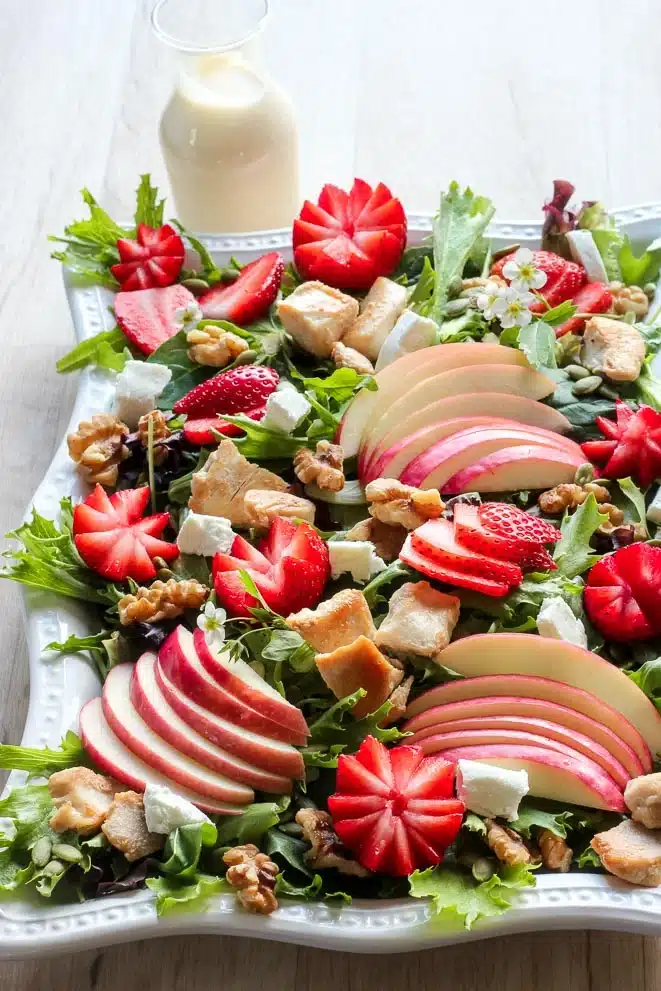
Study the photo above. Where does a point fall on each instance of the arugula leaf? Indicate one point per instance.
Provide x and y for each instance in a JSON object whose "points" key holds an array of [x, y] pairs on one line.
{"points": [[636, 497], [253, 822], [173, 895], [43, 762], [308, 892], [588, 858], [456, 896], [337, 726], [394, 572], [262, 444], [288, 851], [106, 349], [412, 262], [95, 645], [461, 221], [183, 847], [558, 314], [648, 679], [573, 554], [288, 646], [209, 271], [537, 341], [340, 386], [149, 209]]}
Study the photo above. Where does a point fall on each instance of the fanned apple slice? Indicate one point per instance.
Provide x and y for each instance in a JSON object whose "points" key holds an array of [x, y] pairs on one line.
{"points": [[510, 469]]}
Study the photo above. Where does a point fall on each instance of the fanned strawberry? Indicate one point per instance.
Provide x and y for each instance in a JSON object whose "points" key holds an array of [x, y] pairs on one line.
{"points": [[148, 316], [594, 297], [423, 563], [290, 568], [348, 239], [154, 259], [237, 391], [202, 430], [115, 541], [472, 533], [249, 297], [394, 808], [505, 520], [632, 446], [622, 593], [436, 540]]}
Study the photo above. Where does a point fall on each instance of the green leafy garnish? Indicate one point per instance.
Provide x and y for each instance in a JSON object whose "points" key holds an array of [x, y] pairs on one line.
{"points": [[44, 761], [149, 209], [636, 498], [261, 444], [287, 851], [637, 271], [537, 341], [107, 349], [174, 895], [559, 819], [183, 847], [573, 554], [648, 679], [252, 824], [394, 572], [559, 314], [456, 896], [341, 385], [307, 892], [337, 725]]}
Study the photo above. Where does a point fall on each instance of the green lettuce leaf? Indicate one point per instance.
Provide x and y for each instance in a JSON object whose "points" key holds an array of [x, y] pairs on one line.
{"points": [[148, 209], [13, 873], [396, 571], [106, 349], [287, 851], [261, 444], [337, 726], [537, 341], [573, 554], [29, 808], [561, 819], [609, 244], [456, 896], [307, 892], [173, 895], [637, 498], [638, 270], [43, 762], [183, 847], [252, 824], [588, 858], [648, 679], [97, 646], [558, 314]]}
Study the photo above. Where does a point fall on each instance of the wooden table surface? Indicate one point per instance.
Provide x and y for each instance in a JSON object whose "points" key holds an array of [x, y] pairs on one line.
{"points": [[415, 92]]}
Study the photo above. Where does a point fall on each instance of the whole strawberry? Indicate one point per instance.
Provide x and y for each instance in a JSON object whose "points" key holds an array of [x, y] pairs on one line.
{"points": [[236, 391]]}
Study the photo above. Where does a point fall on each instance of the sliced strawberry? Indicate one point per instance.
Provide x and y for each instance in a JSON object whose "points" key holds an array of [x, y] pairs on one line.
{"points": [[594, 297], [506, 520], [633, 445], [348, 239], [289, 568], [148, 316], [154, 259], [598, 451], [114, 540], [471, 532], [436, 540], [622, 597], [554, 267], [201, 430], [567, 286], [538, 559], [426, 566], [249, 297], [376, 812], [237, 391]]}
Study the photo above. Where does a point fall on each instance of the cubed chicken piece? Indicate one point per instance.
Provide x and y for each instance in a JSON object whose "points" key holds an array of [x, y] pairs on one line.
{"points": [[399, 700], [83, 799], [359, 665], [219, 488], [125, 827], [337, 622], [263, 505], [614, 348], [642, 797], [379, 312], [632, 852], [420, 621], [317, 316]]}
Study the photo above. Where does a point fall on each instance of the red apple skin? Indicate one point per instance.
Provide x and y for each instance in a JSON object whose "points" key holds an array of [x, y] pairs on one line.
{"points": [[150, 703], [112, 757], [179, 661], [433, 467], [551, 774], [531, 732], [525, 710], [277, 709], [512, 468], [270, 755], [129, 727]]}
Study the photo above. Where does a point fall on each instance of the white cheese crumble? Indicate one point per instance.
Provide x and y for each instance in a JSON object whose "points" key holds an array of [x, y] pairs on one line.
{"points": [[411, 333], [204, 535], [490, 791], [138, 387], [285, 409], [358, 557], [556, 620], [165, 810]]}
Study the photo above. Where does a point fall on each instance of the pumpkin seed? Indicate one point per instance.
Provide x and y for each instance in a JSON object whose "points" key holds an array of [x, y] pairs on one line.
{"points": [[584, 474], [41, 852], [576, 372], [584, 387], [456, 307], [608, 393], [197, 286], [67, 852], [54, 867]]}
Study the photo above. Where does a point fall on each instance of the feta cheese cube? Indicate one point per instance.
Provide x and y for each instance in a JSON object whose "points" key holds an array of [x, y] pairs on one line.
{"points": [[491, 791], [556, 620], [165, 810], [379, 312], [654, 509], [285, 409], [138, 387], [411, 333], [358, 557], [317, 316], [204, 535]]}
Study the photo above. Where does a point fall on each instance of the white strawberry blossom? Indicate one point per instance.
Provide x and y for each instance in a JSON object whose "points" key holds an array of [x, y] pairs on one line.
{"points": [[522, 273], [492, 300], [517, 309], [212, 622], [187, 317]]}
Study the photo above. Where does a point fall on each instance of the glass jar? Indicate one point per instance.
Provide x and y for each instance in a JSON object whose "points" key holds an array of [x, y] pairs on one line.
{"points": [[228, 133]]}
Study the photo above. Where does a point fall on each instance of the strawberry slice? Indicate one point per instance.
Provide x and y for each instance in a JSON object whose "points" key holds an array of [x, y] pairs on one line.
{"points": [[114, 540], [290, 568], [348, 239], [148, 316], [621, 597], [249, 297], [394, 808], [436, 540], [153, 259], [632, 447], [563, 278], [594, 297], [425, 565], [200, 431], [505, 520], [239, 390], [472, 533]]}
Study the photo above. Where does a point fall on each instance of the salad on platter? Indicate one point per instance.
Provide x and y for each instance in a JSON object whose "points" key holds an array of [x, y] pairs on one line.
{"points": [[371, 543]]}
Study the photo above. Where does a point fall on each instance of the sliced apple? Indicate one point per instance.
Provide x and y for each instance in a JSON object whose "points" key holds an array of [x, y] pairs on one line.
{"points": [[178, 659], [425, 421], [523, 710], [272, 756], [433, 467], [407, 371], [514, 468], [112, 757], [508, 378], [551, 775], [435, 539], [528, 654], [515, 730], [152, 706], [241, 681], [139, 737], [432, 569]]}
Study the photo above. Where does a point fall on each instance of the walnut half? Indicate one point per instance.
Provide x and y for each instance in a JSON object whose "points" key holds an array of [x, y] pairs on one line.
{"points": [[322, 467], [97, 446], [394, 503], [326, 848], [162, 600], [253, 875]]}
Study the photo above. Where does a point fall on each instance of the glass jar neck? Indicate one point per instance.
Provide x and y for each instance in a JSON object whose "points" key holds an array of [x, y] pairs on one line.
{"points": [[208, 27]]}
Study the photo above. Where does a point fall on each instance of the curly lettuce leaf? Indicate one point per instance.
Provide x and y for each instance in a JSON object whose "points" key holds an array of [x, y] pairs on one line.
{"points": [[174, 895], [29, 810], [457, 897], [107, 349], [573, 553], [337, 725], [148, 208], [45, 761]]}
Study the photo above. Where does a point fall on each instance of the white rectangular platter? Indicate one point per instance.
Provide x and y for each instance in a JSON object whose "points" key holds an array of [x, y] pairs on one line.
{"points": [[60, 685]]}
